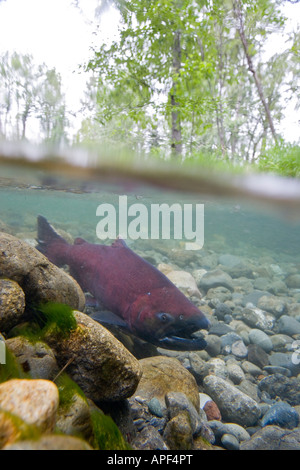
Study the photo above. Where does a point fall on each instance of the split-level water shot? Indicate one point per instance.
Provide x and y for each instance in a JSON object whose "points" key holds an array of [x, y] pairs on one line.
{"points": [[150, 228]]}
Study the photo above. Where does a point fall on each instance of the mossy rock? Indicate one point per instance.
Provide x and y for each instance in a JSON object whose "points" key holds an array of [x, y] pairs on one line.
{"points": [[13, 428], [107, 435]]}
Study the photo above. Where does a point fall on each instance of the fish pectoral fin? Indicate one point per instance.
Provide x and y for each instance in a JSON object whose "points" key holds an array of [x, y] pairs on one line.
{"points": [[91, 301], [105, 316]]}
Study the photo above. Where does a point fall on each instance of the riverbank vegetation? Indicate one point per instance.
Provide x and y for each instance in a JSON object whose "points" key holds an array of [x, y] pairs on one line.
{"points": [[199, 81]]}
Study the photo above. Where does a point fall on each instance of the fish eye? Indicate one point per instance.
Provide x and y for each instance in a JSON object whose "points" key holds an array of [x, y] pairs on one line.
{"points": [[181, 317], [163, 317]]}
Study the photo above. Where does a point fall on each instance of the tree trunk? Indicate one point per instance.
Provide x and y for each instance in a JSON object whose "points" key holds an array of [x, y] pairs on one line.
{"points": [[176, 137], [241, 31]]}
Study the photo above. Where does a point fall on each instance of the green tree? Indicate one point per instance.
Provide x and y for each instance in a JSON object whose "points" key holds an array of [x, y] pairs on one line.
{"points": [[52, 108], [30, 94], [190, 75]]}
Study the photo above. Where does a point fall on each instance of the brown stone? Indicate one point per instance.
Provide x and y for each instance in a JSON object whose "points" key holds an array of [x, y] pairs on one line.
{"points": [[161, 375], [12, 304], [212, 411], [41, 280], [102, 367], [34, 401]]}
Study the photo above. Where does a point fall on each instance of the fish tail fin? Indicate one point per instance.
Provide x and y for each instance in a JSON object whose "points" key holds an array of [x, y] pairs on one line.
{"points": [[50, 243]]}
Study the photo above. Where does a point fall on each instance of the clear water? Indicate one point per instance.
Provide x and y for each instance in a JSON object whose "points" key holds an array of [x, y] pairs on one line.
{"points": [[231, 225], [259, 233]]}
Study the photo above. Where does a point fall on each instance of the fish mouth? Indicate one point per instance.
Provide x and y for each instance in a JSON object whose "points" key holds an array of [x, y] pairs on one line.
{"points": [[180, 343], [180, 337]]}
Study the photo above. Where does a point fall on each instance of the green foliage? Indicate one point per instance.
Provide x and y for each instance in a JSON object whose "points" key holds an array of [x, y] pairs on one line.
{"points": [[25, 430], [55, 317], [67, 389], [107, 435], [30, 92], [30, 330], [11, 369], [283, 159], [179, 69]]}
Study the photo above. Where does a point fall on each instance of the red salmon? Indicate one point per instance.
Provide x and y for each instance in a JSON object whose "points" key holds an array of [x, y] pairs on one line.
{"points": [[139, 295]]}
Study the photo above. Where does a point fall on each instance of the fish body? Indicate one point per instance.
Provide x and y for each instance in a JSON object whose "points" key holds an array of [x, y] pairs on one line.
{"points": [[138, 294]]}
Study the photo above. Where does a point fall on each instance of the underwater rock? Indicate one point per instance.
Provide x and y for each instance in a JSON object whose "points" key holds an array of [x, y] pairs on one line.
{"points": [[155, 407], [236, 430], [235, 372], [257, 356], [178, 432], [176, 403], [240, 270], [278, 287], [182, 257], [51, 442], [221, 311], [220, 329], [218, 367], [254, 296], [11, 428], [216, 295], [161, 375], [281, 414], [235, 406], [185, 282], [212, 411], [261, 283], [261, 339], [288, 325], [231, 340], [197, 367], [287, 360], [273, 438], [249, 387], [278, 385], [257, 318], [216, 278], [36, 358], [220, 429], [99, 363], [230, 442], [277, 370], [239, 350], [251, 368], [229, 260], [75, 418], [213, 347], [281, 342], [12, 303], [34, 401], [149, 439], [40, 280], [293, 281]]}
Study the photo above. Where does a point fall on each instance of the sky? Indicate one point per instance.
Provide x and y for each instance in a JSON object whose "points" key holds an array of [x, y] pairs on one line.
{"points": [[57, 33]]}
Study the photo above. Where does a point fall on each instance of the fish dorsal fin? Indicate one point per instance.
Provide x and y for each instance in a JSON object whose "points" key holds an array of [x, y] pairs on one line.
{"points": [[46, 233], [119, 242], [79, 241]]}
